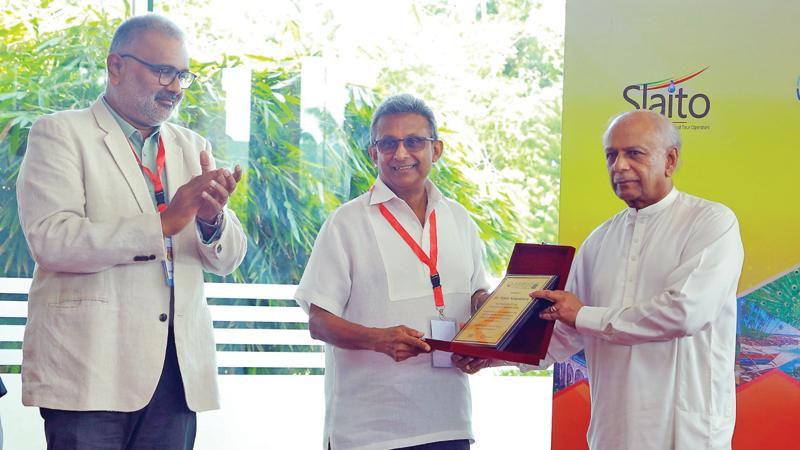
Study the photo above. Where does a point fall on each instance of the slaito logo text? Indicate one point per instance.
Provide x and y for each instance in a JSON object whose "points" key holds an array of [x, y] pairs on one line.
{"points": [[671, 104], [668, 98]]}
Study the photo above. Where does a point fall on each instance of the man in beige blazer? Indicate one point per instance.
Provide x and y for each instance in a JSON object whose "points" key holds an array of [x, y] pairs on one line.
{"points": [[118, 349]]}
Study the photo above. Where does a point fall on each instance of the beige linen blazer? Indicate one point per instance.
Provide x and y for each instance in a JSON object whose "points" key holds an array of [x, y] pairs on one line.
{"points": [[95, 337]]}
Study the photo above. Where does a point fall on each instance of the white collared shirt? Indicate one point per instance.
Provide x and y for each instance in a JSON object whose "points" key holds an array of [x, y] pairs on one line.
{"points": [[659, 325], [362, 270]]}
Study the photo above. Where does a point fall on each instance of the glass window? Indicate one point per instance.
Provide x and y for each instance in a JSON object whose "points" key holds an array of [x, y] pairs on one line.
{"points": [[286, 88]]}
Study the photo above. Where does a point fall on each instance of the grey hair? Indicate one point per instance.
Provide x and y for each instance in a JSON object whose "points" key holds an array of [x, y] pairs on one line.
{"points": [[669, 134], [402, 104], [137, 25]]}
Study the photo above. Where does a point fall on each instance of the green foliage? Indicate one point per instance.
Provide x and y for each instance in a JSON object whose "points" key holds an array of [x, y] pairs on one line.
{"points": [[533, 62], [294, 177], [279, 225], [496, 220], [42, 72], [498, 89]]}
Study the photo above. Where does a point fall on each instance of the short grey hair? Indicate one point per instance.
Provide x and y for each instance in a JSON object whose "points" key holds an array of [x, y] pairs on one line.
{"points": [[137, 25], [669, 134], [402, 104]]}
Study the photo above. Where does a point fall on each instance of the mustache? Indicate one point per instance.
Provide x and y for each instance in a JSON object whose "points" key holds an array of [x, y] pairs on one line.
{"points": [[169, 97]]}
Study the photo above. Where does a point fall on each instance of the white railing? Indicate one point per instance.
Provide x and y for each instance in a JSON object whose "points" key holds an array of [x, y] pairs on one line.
{"points": [[275, 411], [248, 328], [14, 312], [277, 317]]}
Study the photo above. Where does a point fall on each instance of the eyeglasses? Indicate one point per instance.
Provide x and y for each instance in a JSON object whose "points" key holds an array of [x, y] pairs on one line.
{"points": [[166, 74], [410, 143]]}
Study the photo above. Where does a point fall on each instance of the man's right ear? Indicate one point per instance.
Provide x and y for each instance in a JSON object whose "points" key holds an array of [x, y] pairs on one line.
{"points": [[114, 65], [373, 154]]}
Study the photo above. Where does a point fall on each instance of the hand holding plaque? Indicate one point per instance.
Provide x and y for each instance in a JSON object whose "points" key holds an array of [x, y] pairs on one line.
{"points": [[506, 309], [507, 326]]}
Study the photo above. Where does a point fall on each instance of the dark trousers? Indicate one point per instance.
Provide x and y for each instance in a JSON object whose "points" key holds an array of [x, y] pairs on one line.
{"points": [[462, 444], [166, 423]]}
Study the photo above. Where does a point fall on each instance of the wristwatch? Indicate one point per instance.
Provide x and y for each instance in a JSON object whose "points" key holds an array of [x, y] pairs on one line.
{"points": [[215, 224]]}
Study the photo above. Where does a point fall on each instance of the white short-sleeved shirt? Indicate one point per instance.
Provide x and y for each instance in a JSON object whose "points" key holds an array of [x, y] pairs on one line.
{"points": [[659, 325], [362, 270]]}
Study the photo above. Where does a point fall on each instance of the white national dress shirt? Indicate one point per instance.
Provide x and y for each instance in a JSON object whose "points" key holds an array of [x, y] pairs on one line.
{"points": [[659, 325], [362, 270]]}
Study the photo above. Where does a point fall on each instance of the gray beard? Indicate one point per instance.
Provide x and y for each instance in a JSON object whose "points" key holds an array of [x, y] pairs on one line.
{"points": [[156, 114]]}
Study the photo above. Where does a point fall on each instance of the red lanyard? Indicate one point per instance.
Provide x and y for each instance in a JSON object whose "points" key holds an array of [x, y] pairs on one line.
{"points": [[429, 261], [161, 200]]}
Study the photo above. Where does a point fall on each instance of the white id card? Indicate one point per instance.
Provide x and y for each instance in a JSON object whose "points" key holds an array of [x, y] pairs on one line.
{"points": [[169, 265], [443, 330]]}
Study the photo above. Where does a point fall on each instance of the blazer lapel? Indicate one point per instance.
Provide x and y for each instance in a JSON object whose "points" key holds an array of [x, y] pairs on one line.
{"points": [[120, 150], [174, 161]]}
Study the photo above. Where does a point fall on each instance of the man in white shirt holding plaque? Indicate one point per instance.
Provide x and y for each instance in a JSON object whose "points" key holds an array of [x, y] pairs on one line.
{"points": [[651, 298], [386, 267]]}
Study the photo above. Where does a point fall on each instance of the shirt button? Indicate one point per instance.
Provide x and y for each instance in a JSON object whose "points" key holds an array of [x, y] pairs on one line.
{"points": [[219, 248], [162, 317]]}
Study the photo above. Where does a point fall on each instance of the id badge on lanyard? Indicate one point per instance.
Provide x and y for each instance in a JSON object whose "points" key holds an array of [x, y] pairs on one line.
{"points": [[169, 267], [441, 327], [161, 202]]}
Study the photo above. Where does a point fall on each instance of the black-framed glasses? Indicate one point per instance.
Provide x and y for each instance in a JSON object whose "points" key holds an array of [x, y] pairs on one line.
{"points": [[166, 74], [410, 143]]}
